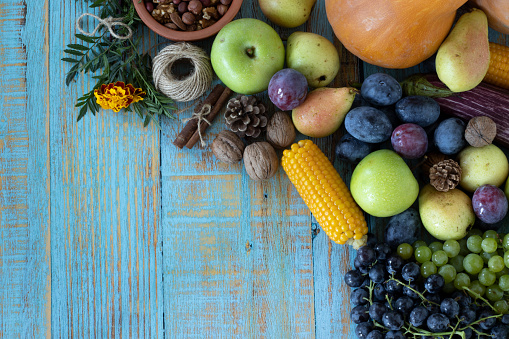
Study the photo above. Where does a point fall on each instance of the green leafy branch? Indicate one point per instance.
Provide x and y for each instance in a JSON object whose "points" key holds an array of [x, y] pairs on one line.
{"points": [[116, 60]]}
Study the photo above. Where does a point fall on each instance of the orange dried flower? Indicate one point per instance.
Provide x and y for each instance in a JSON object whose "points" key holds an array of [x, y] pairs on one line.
{"points": [[118, 95]]}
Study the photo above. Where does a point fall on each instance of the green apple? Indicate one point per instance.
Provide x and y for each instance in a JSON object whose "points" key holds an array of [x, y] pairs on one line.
{"points": [[481, 166], [287, 13], [245, 55], [446, 215], [323, 111], [314, 56], [383, 185]]}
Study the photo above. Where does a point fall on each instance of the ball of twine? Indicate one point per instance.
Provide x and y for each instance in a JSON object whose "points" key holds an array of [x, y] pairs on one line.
{"points": [[189, 88]]}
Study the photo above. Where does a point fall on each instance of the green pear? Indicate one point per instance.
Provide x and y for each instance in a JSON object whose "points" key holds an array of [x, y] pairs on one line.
{"points": [[323, 111], [383, 185], [314, 56], [287, 13], [446, 215], [464, 57]]}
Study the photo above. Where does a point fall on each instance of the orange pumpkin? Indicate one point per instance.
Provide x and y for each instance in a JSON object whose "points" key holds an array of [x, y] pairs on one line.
{"points": [[392, 33], [497, 12]]}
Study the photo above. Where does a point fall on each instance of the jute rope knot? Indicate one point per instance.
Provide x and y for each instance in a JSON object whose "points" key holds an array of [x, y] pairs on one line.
{"points": [[189, 88], [200, 116], [109, 22]]}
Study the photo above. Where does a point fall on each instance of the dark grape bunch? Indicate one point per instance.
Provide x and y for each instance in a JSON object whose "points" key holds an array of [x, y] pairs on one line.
{"points": [[400, 295]]}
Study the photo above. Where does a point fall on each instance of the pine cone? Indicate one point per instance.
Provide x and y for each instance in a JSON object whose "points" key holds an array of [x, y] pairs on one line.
{"points": [[445, 175], [245, 116]]}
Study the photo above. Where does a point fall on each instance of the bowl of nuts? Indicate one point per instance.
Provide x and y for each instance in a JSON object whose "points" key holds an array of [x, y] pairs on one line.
{"points": [[186, 20]]}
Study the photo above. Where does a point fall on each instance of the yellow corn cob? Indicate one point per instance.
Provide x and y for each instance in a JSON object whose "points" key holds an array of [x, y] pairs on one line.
{"points": [[325, 193], [498, 71]]}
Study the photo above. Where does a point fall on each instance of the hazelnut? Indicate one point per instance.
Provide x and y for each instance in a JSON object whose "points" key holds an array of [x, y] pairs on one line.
{"points": [[222, 9], [226, 2], [228, 147], [195, 7], [188, 18], [280, 130], [149, 6], [182, 7], [206, 2], [176, 2], [260, 160]]}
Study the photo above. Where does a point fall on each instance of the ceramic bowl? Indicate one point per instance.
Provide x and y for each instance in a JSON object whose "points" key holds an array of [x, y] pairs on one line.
{"points": [[174, 35]]}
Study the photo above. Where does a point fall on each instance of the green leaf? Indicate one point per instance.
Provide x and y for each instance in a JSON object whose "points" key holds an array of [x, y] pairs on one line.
{"points": [[69, 60], [83, 112], [70, 76], [89, 39], [97, 3], [106, 64], [73, 52], [147, 120], [78, 47]]}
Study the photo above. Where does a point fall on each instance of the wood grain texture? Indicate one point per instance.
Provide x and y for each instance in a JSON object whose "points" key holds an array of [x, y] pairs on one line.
{"points": [[25, 264], [109, 231], [105, 208], [237, 253]]}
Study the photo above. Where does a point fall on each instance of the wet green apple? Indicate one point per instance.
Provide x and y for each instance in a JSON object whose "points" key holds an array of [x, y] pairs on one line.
{"points": [[245, 54], [383, 185]]}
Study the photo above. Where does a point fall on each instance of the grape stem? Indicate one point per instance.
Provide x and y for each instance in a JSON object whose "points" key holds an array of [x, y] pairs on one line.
{"points": [[413, 290], [478, 296], [481, 320]]}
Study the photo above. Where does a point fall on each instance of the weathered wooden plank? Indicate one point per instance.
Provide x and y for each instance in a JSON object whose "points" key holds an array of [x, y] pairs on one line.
{"points": [[237, 253], [25, 264], [105, 211]]}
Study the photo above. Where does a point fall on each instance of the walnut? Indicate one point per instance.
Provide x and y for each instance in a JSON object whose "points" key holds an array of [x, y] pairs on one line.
{"points": [[260, 160], [206, 23], [210, 13], [280, 130], [480, 131], [228, 147]]}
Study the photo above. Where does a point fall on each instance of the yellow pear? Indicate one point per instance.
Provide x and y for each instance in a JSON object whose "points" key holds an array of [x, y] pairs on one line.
{"points": [[287, 13], [463, 58]]}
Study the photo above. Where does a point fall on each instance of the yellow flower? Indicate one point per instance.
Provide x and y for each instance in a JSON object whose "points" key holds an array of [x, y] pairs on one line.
{"points": [[118, 95]]}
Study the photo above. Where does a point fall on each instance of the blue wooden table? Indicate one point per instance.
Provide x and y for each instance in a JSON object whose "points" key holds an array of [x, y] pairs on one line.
{"points": [[108, 230]]}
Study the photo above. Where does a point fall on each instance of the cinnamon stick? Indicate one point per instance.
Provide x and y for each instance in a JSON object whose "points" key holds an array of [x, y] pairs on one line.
{"points": [[190, 128], [213, 113]]}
